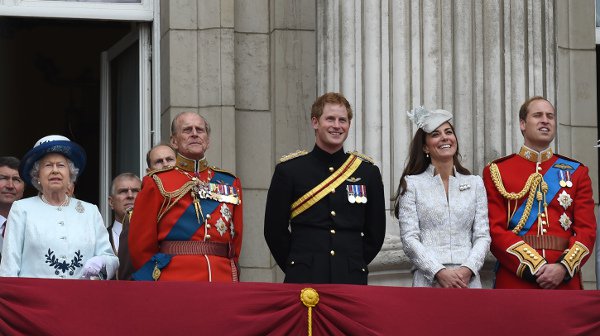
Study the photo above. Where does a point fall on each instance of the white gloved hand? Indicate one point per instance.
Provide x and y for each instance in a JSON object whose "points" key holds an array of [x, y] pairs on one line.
{"points": [[93, 266]]}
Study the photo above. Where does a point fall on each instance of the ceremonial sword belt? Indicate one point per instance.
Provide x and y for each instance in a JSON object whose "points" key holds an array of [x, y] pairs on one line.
{"points": [[547, 242], [191, 247]]}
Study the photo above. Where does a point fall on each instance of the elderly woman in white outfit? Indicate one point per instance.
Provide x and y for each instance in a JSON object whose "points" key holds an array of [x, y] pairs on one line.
{"points": [[54, 235], [441, 207]]}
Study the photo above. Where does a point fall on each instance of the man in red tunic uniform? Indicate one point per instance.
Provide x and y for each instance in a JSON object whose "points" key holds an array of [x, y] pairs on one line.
{"points": [[187, 223], [541, 209]]}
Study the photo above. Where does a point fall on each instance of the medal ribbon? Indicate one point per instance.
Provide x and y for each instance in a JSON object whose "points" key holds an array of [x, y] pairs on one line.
{"points": [[551, 178], [317, 193]]}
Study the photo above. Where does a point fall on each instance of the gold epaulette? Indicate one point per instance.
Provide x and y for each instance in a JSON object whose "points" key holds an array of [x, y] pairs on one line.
{"points": [[363, 157], [159, 170], [293, 155], [222, 171], [528, 257], [574, 256], [500, 159]]}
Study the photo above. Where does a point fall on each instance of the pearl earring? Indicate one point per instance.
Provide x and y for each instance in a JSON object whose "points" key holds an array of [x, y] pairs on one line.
{"points": [[427, 154]]}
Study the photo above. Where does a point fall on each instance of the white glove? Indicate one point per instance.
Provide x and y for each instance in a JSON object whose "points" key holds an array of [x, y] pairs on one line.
{"points": [[93, 266]]}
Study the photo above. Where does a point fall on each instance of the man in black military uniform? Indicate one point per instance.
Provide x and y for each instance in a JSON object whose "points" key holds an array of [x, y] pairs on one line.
{"points": [[325, 214]]}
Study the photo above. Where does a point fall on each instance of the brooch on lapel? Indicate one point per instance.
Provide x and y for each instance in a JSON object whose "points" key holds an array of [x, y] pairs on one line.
{"points": [[79, 207], [463, 187]]}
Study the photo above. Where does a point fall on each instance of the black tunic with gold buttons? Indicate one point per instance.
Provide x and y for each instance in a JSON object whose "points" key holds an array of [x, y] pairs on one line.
{"points": [[334, 240]]}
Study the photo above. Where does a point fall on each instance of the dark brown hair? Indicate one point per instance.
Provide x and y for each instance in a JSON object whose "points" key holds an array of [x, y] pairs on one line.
{"points": [[418, 163], [329, 98], [10, 162], [525, 106]]}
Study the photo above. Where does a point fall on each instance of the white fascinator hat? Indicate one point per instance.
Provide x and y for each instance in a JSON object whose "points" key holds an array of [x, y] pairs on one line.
{"points": [[428, 120]]}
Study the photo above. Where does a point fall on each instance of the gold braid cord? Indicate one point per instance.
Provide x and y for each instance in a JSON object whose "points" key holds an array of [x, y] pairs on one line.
{"points": [[309, 298], [531, 187], [171, 197]]}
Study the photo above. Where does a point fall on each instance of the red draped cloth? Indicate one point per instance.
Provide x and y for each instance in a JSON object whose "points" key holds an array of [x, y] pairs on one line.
{"points": [[80, 307]]}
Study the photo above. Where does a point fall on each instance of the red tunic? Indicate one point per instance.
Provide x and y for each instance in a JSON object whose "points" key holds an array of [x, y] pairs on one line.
{"points": [[180, 222], [514, 171]]}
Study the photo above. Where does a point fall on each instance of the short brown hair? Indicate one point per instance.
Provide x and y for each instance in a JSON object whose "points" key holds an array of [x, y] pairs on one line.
{"points": [[329, 98], [525, 106]]}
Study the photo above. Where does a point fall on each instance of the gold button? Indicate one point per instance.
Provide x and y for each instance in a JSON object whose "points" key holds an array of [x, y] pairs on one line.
{"points": [[531, 255], [207, 216], [570, 258], [292, 262], [543, 222], [208, 226], [539, 168], [331, 169], [543, 215], [572, 255], [332, 252], [332, 213], [525, 249], [333, 191], [534, 258], [207, 237], [332, 231], [577, 249], [362, 234], [362, 269], [544, 230]]}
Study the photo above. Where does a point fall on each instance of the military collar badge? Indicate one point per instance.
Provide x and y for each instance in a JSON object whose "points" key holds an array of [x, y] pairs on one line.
{"points": [[535, 156]]}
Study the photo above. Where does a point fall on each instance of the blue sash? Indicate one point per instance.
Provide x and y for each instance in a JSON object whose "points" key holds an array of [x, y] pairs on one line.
{"points": [[551, 178], [159, 260]]}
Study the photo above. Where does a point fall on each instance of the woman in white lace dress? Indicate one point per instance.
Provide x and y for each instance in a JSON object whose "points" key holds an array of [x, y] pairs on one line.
{"points": [[441, 207]]}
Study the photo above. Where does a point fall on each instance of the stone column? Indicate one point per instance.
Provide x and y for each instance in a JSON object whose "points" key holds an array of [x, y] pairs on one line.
{"points": [[197, 50], [275, 87], [577, 100], [480, 60]]}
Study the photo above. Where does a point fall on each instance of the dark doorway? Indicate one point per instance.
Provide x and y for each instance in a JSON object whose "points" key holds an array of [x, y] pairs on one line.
{"points": [[50, 84]]}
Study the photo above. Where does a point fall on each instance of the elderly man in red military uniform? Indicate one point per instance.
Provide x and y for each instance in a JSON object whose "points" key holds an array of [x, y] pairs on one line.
{"points": [[187, 223], [541, 209]]}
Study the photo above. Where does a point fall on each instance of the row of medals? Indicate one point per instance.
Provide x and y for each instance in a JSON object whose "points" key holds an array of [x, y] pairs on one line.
{"points": [[356, 193], [565, 179]]}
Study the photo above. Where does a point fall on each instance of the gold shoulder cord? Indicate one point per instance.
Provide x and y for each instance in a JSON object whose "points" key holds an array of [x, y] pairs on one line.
{"points": [[531, 186], [171, 198]]}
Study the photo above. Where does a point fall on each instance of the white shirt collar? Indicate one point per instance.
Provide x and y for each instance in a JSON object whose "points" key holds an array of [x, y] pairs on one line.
{"points": [[117, 227]]}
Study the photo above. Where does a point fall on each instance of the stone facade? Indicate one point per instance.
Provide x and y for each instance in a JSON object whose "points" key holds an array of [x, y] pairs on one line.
{"points": [[254, 67]]}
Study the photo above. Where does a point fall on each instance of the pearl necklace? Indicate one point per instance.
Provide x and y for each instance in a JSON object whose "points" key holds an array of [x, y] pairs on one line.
{"points": [[63, 204]]}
